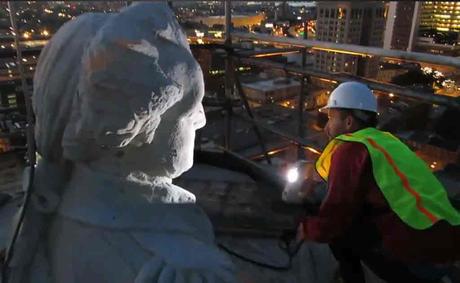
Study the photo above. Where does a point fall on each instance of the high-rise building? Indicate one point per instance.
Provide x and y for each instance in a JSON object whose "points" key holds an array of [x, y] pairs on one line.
{"points": [[401, 25], [438, 16], [360, 23], [432, 27], [439, 28]]}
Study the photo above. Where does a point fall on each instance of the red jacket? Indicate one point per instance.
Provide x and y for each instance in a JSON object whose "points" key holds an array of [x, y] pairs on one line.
{"points": [[354, 200]]}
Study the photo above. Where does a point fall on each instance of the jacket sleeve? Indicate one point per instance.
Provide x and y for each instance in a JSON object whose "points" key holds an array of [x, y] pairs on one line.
{"points": [[345, 196]]}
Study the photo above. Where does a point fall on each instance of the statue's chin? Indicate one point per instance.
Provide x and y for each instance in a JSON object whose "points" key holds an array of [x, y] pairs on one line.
{"points": [[180, 170], [176, 167]]}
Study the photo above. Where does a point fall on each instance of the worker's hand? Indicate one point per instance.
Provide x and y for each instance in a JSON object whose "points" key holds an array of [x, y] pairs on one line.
{"points": [[316, 177], [307, 188], [312, 179]]}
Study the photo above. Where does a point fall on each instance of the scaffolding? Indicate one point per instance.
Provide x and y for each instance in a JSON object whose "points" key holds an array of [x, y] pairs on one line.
{"points": [[234, 57]]}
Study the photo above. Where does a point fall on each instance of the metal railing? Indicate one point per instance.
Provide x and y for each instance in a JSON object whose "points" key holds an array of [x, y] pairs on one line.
{"points": [[352, 49]]}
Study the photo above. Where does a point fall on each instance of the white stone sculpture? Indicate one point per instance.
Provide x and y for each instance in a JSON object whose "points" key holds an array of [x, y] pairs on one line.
{"points": [[117, 100]]}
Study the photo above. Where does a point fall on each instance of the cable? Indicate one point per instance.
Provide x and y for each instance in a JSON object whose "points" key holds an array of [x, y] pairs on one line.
{"points": [[10, 250], [284, 239]]}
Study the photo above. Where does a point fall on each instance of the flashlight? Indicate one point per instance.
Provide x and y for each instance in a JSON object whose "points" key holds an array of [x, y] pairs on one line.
{"points": [[295, 178], [302, 185], [292, 175]]}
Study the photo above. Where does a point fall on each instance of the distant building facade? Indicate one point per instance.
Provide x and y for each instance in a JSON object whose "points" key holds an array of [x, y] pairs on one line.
{"points": [[440, 16], [271, 91], [430, 27], [401, 25], [388, 71], [429, 45], [439, 28], [237, 20], [360, 23]]}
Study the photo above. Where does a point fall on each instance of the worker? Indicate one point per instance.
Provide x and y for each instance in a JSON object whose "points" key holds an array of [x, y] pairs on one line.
{"points": [[383, 205]]}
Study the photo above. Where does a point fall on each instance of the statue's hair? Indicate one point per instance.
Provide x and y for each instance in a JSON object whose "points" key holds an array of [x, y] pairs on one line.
{"points": [[55, 85], [56, 80]]}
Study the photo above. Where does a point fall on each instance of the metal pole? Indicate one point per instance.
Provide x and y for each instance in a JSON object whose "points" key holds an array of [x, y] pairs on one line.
{"points": [[25, 88], [228, 22], [228, 106], [228, 73], [301, 126], [248, 110], [414, 26], [305, 30], [30, 144]]}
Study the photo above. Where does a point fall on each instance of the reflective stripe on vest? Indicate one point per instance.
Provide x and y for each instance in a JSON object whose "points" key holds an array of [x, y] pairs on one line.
{"points": [[411, 189]]}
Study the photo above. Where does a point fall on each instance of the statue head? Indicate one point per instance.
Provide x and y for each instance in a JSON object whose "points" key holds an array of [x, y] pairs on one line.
{"points": [[130, 99]]}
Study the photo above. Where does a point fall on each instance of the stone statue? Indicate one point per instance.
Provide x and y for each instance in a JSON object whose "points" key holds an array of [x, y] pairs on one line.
{"points": [[117, 100]]}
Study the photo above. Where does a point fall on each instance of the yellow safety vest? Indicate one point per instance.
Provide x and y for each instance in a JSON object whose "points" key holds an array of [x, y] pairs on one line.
{"points": [[411, 189]]}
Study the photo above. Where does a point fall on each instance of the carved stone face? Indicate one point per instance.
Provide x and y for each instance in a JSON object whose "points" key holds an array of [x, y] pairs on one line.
{"points": [[174, 139], [159, 143], [139, 96]]}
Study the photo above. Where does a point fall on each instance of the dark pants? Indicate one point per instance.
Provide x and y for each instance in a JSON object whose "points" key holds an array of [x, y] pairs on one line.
{"points": [[387, 269], [364, 244]]}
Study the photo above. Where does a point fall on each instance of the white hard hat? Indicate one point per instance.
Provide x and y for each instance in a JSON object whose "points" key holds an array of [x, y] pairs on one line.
{"points": [[352, 95]]}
